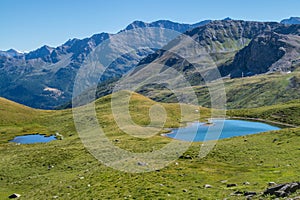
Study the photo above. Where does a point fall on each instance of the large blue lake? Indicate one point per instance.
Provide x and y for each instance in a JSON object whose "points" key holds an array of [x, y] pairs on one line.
{"points": [[34, 138], [219, 129]]}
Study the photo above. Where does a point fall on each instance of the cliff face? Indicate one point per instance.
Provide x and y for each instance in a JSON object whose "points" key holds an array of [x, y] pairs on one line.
{"points": [[268, 52], [238, 48]]}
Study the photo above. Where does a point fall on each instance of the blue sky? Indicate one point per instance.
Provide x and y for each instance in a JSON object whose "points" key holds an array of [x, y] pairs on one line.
{"points": [[28, 24]]}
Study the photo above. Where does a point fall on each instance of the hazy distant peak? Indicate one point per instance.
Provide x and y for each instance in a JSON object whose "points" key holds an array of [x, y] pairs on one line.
{"points": [[11, 53], [227, 18], [167, 24], [291, 20]]}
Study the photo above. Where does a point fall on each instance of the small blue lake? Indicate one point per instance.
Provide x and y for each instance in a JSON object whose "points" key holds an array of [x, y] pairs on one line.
{"points": [[219, 129], [34, 138]]}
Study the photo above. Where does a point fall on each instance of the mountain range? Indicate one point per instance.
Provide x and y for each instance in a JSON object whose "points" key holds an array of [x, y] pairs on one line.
{"points": [[44, 78], [241, 48]]}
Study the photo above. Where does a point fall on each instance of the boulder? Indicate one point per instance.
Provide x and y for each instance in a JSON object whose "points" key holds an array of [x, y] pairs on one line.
{"points": [[238, 193], [283, 190], [272, 183], [185, 157], [280, 193], [14, 196], [207, 186], [142, 163], [271, 190], [231, 185], [249, 197], [250, 193], [245, 193]]}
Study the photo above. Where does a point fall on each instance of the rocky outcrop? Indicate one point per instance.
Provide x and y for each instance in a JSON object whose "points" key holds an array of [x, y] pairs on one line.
{"points": [[268, 52], [14, 196], [231, 185], [283, 190]]}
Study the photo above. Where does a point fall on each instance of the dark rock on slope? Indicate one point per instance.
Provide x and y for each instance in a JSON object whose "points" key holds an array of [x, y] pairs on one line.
{"points": [[283, 190]]}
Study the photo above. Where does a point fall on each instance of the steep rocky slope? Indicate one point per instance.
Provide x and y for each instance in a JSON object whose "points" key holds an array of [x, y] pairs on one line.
{"points": [[238, 48]]}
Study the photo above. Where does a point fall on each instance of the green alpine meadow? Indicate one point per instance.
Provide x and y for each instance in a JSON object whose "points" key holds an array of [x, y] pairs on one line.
{"points": [[64, 169], [152, 100]]}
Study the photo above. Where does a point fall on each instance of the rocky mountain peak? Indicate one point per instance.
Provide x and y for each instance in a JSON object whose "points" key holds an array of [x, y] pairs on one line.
{"points": [[291, 20], [11, 53], [41, 52]]}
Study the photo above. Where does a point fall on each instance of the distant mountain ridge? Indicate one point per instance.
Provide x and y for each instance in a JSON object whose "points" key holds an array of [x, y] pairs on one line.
{"points": [[44, 78], [27, 77], [291, 20], [238, 48], [11, 53], [179, 27]]}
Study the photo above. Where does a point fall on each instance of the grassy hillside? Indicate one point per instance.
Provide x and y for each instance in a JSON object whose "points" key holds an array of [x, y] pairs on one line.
{"points": [[17, 119], [248, 92], [286, 113], [63, 169]]}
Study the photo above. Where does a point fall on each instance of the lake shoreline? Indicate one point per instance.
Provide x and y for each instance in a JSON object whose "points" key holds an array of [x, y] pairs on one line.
{"points": [[286, 125], [220, 129]]}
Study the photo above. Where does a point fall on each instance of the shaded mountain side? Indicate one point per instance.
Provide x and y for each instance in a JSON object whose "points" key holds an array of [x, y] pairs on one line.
{"points": [[268, 52]]}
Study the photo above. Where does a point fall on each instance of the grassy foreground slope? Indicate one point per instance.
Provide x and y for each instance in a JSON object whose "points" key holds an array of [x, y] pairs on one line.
{"points": [[16, 119], [63, 169]]}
